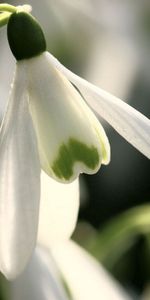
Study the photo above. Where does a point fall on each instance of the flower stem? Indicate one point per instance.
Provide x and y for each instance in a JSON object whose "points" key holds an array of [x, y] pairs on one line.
{"points": [[4, 17], [119, 234], [7, 8]]}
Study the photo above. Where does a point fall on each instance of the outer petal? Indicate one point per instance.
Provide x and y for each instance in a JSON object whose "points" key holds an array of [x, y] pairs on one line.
{"points": [[85, 277], [70, 138], [19, 181], [127, 121], [39, 281], [58, 210]]}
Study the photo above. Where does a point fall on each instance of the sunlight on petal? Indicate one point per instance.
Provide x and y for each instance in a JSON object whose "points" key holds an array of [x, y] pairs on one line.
{"points": [[19, 182], [39, 281], [69, 141], [126, 120], [58, 210], [86, 278]]}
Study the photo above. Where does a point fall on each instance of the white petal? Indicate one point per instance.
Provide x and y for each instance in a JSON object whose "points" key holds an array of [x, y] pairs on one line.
{"points": [[85, 277], [70, 138], [58, 210], [126, 120], [19, 181], [39, 281]]}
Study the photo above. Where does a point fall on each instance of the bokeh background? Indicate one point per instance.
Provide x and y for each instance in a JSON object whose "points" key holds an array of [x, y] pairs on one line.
{"points": [[108, 43]]}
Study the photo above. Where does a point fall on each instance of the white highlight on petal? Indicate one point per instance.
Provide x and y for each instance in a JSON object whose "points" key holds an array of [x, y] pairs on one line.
{"points": [[39, 281], [126, 120], [60, 113], [86, 278], [19, 181], [58, 210], [24, 8]]}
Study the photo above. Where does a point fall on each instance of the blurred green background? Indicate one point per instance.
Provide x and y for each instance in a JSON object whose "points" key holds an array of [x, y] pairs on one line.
{"points": [[108, 43]]}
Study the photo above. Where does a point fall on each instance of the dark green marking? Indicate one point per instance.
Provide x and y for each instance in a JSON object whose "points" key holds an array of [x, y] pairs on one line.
{"points": [[72, 152], [25, 36]]}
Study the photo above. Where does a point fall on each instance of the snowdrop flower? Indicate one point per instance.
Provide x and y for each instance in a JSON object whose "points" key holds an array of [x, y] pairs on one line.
{"points": [[55, 259], [48, 125], [85, 278], [59, 205], [41, 279]]}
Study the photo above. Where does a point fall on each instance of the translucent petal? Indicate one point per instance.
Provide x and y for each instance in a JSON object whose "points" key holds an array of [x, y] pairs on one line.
{"points": [[58, 210], [126, 120], [70, 138], [19, 181], [86, 278], [39, 281]]}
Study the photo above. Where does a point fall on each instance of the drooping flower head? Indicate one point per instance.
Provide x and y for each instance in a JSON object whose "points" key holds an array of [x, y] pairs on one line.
{"points": [[70, 138], [48, 125]]}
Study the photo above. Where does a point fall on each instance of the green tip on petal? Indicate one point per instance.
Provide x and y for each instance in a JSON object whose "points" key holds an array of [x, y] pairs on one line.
{"points": [[73, 152], [25, 36]]}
